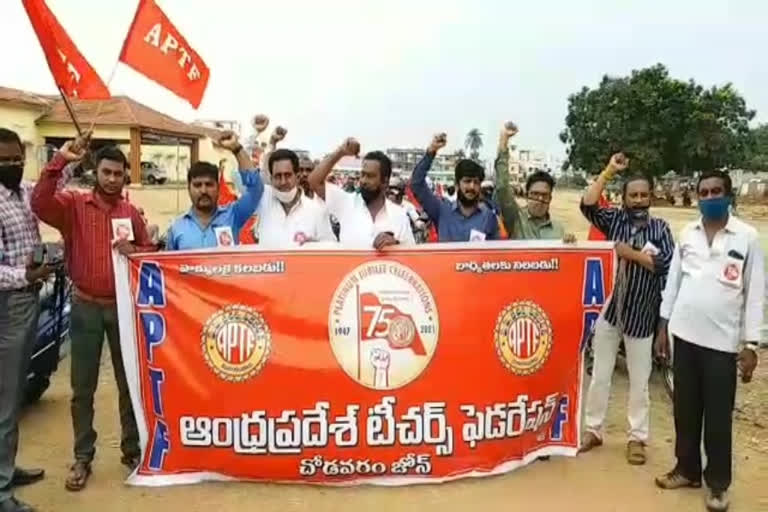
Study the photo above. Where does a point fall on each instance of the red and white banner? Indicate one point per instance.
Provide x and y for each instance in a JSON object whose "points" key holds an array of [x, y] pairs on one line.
{"points": [[156, 49], [416, 365], [70, 70]]}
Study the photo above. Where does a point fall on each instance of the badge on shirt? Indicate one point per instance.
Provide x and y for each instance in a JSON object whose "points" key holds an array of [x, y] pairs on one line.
{"points": [[122, 229], [224, 236], [731, 272], [476, 236], [651, 249]]}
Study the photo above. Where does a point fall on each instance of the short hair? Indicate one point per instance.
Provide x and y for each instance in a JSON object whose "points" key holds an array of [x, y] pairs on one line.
{"points": [[468, 168], [9, 136], [283, 154], [540, 176], [203, 170], [385, 164], [727, 184], [111, 153], [636, 177]]}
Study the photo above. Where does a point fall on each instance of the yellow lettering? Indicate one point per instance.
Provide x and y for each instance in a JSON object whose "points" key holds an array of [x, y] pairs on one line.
{"points": [[170, 43], [185, 58], [153, 36], [194, 73]]}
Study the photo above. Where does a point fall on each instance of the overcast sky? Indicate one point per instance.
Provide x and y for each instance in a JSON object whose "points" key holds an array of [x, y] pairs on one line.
{"points": [[392, 72]]}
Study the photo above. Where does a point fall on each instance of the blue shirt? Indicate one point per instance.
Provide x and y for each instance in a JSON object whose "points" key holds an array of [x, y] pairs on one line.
{"points": [[187, 233], [643, 287], [452, 225]]}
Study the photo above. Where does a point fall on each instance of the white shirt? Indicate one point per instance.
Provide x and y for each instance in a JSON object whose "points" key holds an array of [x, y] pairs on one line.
{"points": [[714, 295], [307, 221], [357, 227]]}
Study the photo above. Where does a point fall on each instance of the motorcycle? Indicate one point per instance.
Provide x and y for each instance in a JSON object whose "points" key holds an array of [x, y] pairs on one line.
{"points": [[51, 343]]}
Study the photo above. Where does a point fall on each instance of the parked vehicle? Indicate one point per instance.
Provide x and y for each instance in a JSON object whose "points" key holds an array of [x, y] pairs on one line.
{"points": [[52, 343], [152, 174]]}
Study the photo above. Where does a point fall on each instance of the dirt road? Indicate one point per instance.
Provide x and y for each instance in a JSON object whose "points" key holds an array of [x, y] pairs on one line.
{"points": [[597, 482]]}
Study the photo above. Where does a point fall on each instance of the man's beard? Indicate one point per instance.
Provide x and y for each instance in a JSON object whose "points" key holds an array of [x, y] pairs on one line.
{"points": [[369, 195], [107, 195], [466, 201], [208, 207]]}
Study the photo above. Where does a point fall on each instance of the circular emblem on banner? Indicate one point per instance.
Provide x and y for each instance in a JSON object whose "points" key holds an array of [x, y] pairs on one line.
{"points": [[236, 343], [731, 272], [523, 337], [383, 325]]}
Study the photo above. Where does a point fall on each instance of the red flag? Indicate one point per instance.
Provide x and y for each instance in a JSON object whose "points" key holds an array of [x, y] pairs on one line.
{"points": [[432, 234], [156, 49], [385, 321], [594, 233], [246, 234], [71, 72], [226, 196]]}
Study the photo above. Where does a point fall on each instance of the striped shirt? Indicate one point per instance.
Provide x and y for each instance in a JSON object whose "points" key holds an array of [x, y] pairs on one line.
{"points": [[642, 296], [19, 234]]}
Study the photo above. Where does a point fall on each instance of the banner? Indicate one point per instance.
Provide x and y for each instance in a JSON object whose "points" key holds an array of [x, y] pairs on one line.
{"points": [[414, 365]]}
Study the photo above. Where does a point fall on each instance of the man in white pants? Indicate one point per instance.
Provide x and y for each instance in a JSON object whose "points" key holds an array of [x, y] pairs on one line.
{"points": [[644, 246]]}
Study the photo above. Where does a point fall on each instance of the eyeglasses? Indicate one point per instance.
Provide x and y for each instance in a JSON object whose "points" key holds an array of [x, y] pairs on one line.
{"points": [[542, 197]]}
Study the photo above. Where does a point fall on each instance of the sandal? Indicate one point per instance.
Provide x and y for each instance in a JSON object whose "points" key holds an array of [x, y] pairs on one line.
{"points": [[636, 453], [78, 476], [589, 442]]}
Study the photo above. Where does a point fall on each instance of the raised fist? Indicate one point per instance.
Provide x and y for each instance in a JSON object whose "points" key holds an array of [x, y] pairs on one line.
{"points": [[74, 150], [380, 359], [618, 162], [438, 142], [228, 140], [260, 122], [278, 135], [510, 129], [350, 147]]}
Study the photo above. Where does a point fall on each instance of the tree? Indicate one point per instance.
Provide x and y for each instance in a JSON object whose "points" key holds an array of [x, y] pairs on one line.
{"points": [[473, 143], [662, 124], [757, 156]]}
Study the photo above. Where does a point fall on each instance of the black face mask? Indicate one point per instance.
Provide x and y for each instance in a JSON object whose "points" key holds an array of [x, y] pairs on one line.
{"points": [[368, 194], [10, 177], [638, 213]]}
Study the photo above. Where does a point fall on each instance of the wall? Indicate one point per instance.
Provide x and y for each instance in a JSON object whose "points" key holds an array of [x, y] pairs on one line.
{"points": [[22, 121]]}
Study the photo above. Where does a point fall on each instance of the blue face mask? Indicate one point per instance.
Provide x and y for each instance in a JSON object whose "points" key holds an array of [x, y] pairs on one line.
{"points": [[715, 208]]}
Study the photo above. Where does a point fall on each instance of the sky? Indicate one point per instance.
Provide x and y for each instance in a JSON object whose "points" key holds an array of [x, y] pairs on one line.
{"points": [[394, 72]]}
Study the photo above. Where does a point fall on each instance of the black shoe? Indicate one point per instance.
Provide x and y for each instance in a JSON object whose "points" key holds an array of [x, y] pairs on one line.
{"points": [[14, 505], [131, 461], [26, 476]]}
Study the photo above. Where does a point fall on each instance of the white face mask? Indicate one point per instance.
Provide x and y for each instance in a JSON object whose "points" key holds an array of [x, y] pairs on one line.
{"points": [[287, 196]]}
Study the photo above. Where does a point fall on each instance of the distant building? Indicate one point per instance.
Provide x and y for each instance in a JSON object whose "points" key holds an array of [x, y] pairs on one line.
{"points": [[443, 168], [220, 124]]}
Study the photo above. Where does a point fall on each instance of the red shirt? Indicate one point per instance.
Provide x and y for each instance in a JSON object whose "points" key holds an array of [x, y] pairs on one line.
{"points": [[85, 223]]}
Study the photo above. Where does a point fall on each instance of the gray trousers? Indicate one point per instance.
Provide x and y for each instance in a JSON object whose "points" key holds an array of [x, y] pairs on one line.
{"points": [[19, 311], [88, 324]]}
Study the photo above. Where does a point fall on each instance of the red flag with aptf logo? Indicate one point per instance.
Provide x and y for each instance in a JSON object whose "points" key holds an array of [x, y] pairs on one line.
{"points": [[385, 321], [71, 71], [156, 49]]}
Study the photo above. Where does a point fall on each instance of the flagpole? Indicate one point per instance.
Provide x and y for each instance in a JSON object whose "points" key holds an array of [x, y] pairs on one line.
{"points": [[101, 102], [359, 327], [71, 111], [177, 176]]}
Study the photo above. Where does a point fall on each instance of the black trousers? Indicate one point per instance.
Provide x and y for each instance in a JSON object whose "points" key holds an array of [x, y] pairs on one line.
{"points": [[705, 389]]}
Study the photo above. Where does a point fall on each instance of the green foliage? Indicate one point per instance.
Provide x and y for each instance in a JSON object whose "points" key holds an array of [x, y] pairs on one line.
{"points": [[757, 157], [473, 143], [661, 123]]}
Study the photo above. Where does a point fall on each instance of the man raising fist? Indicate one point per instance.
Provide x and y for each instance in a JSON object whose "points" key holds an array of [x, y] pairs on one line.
{"points": [[367, 217], [466, 219]]}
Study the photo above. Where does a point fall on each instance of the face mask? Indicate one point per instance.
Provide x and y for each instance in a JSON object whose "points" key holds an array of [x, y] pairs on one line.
{"points": [[715, 208], [287, 196], [638, 213], [368, 194], [10, 177]]}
